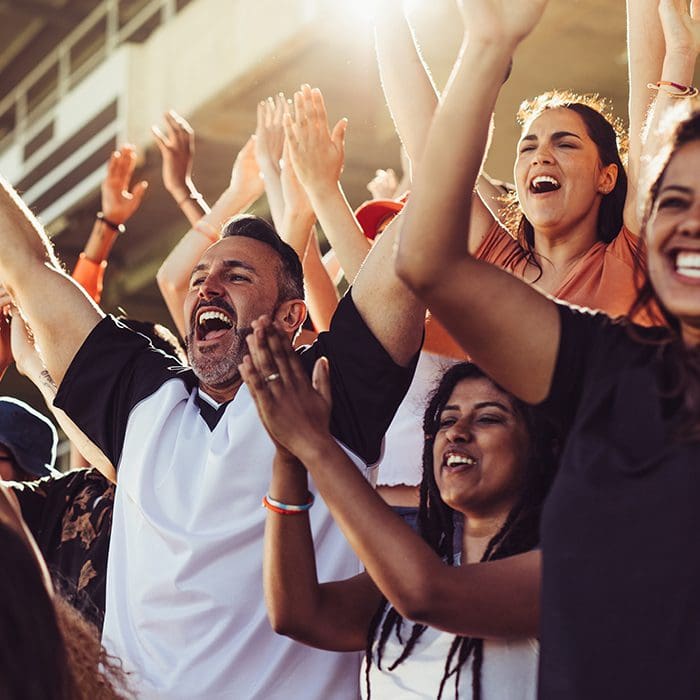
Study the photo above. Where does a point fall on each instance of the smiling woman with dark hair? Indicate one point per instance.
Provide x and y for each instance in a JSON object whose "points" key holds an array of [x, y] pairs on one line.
{"points": [[487, 465]]}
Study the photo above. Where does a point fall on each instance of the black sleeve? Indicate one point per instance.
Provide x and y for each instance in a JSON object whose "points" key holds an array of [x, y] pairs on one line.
{"points": [[367, 384], [591, 344], [114, 370]]}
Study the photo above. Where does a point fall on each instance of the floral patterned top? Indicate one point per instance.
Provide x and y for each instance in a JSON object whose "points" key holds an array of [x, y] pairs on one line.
{"points": [[70, 517]]}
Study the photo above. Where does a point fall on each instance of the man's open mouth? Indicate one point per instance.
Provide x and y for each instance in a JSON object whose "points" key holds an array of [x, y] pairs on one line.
{"points": [[212, 324]]}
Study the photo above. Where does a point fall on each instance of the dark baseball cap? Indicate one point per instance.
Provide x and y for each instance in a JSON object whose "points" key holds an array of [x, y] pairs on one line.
{"points": [[29, 436]]}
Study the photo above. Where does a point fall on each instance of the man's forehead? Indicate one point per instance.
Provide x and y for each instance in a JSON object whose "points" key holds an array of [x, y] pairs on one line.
{"points": [[236, 248]]}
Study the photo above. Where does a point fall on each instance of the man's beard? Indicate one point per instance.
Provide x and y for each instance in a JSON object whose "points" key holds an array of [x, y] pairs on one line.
{"points": [[209, 365]]}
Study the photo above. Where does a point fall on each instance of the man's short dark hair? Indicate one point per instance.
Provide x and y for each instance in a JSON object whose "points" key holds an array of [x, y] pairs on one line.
{"points": [[291, 277]]}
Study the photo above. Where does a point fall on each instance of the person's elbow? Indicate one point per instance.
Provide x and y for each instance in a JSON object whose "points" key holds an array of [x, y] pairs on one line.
{"points": [[288, 623], [416, 600], [412, 271]]}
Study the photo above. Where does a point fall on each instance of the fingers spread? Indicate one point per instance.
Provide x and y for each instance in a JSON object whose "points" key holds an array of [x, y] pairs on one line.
{"points": [[161, 139]]}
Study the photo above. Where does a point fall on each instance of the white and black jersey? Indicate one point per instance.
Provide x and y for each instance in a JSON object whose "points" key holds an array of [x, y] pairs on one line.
{"points": [[185, 607]]}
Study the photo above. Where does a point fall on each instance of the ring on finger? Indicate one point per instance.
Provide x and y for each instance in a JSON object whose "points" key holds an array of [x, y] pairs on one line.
{"points": [[272, 377]]}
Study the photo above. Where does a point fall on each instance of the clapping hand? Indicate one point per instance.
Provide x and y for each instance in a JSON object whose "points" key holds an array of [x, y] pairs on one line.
{"points": [[294, 410], [317, 153]]}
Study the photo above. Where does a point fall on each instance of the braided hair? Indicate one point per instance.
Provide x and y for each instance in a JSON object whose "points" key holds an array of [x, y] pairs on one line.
{"points": [[436, 526]]}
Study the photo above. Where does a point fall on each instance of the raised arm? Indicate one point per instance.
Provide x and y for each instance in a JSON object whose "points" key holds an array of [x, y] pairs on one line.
{"points": [[299, 231], [664, 40], [60, 313], [393, 315], [177, 150], [413, 98], [30, 365], [269, 144], [318, 157], [645, 47], [488, 311], [120, 201], [322, 293], [498, 599], [174, 274], [408, 86]]}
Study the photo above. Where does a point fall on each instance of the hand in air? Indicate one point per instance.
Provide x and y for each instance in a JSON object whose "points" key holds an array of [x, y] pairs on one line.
{"points": [[269, 132], [383, 185], [177, 149], [296, 201], [119, 200], [318, 154], [245, 174], [505, 22], [680, 20], [294, 412]]}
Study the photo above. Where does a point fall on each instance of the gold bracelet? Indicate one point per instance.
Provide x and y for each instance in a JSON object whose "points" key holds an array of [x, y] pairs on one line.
{"points": [[674, 89]]}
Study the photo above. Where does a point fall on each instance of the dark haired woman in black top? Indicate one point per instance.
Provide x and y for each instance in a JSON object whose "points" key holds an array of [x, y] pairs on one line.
{"points": [[620, 603]]}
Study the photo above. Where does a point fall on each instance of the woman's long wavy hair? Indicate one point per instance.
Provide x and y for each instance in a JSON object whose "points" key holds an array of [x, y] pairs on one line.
{"points": [[607, 133], [47, 650], [436, 525], [682, 383]]}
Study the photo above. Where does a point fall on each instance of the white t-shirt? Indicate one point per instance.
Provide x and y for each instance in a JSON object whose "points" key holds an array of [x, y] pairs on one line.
{"points": [[508, 672], [401, 461], [185, 609]]}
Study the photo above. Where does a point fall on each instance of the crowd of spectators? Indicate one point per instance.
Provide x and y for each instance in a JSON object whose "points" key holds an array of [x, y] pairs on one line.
{"points": [[472, 475]]}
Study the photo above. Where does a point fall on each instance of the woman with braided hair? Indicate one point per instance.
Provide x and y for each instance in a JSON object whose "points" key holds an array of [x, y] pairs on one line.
{"points": [[486, 470]]}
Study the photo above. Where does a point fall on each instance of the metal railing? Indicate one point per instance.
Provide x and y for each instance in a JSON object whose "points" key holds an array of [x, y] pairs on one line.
{"points": [[111, 23]]}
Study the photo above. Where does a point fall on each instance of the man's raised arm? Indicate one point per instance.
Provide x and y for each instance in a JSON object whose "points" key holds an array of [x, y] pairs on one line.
{"points": [[58, 310]]}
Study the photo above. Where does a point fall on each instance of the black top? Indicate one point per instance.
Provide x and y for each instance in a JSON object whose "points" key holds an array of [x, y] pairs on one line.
{"points": [[70, 517], [621, 578]]}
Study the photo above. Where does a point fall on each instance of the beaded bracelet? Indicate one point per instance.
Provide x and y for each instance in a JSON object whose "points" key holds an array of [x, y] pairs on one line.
{"points": [[286, 509], [119, 228], [206, 229], [673, 89]]}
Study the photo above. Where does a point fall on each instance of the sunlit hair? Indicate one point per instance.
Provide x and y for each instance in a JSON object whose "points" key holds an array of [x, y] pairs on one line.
{"points": [[437, 526], [96, 674], [680, 127], [608, 134]]}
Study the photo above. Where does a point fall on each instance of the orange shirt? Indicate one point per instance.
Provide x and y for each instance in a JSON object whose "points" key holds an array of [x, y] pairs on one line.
{"points": [[90, 276], [603, 279]]}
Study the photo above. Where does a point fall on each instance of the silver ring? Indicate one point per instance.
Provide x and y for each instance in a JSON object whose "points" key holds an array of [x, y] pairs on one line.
{"points": [[272, 377]]}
